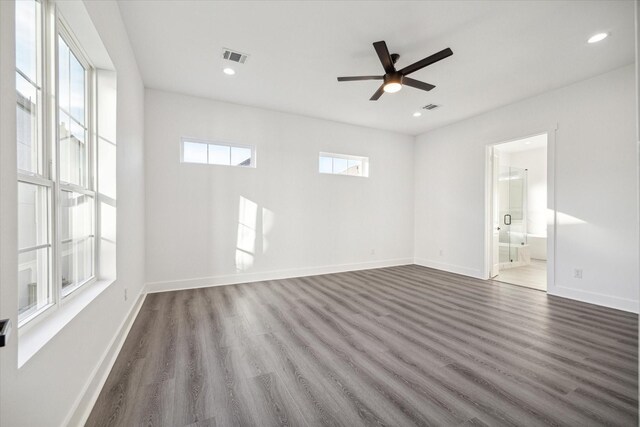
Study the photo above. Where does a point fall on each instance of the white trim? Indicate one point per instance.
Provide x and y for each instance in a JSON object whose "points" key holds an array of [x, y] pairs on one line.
{"points": [[81, 408], [231, 279], [35, 180], [451, 268], [552, 228], [596, 298]]}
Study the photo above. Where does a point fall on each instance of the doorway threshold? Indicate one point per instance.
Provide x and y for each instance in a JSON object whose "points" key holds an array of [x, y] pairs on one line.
{"points": [[533, 275]]}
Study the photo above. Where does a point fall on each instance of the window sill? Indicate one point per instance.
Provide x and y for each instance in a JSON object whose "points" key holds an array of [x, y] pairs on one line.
{"points": [[33, 338]]}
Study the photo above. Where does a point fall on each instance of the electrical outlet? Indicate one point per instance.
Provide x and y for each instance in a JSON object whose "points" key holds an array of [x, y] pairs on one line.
{"points": [[373, 251], [125, 294], [440, 252], [577, 273]]}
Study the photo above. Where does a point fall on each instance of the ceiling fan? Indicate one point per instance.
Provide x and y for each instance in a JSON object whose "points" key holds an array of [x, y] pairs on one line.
{"points": [[393, 79]]}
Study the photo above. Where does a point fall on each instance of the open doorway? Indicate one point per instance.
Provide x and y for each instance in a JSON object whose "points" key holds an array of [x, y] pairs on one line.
{"points": [[519, 212]]}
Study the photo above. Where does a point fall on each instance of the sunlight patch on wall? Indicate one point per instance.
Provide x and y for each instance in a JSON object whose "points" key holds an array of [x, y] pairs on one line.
{"points": [[564, 219], [246, 241], [268, 221]]}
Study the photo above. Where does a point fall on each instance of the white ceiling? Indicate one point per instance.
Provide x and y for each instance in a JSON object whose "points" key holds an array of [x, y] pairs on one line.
{"points": [[504, 51]]}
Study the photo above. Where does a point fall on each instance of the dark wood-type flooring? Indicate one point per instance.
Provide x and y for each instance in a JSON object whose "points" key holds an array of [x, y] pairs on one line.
{"points": [[394, 346]]}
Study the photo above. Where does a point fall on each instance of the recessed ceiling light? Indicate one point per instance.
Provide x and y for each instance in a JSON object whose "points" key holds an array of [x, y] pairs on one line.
{"points": [[527, 142], [229, 71], [597, 37], [417, 114]]}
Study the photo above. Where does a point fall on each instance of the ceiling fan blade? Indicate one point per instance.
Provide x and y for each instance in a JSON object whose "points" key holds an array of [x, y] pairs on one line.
{"points": [[385, 57], [356, 78], [426, 61], [377, 94], [417, 84]]}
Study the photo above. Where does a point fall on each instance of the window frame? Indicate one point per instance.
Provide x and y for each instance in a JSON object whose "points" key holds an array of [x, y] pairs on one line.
{"points": [[63, 31], [252, 165], [347, 157], [52, 25]]}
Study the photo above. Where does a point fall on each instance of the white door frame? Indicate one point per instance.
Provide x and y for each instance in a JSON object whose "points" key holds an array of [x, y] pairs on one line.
{"points": [[551, 204], [492, 167]]}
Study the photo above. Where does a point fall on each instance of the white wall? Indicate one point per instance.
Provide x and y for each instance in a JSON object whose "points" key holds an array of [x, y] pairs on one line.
{"points": [[304, 222], [52, 384], [596, 187]]}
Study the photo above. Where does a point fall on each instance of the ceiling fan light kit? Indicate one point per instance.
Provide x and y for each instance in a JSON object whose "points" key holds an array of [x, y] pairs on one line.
{"points": [[393, 80], [392, 83]]}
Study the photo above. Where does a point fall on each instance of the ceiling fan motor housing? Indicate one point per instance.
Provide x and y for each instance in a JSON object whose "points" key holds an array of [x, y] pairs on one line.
{"points": [[393, 78]]}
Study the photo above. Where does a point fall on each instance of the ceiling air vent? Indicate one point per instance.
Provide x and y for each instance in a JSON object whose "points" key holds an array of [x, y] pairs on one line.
{"points": [[431, 107], [233, 56]]}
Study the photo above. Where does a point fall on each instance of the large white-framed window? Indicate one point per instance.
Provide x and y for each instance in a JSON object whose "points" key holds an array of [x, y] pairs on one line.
{"points": [[343, 164], [55, 159], [217, 153]]}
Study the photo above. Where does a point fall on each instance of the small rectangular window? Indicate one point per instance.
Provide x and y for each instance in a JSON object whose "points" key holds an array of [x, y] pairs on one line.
{"points": [[343, 164], [217, 153]]}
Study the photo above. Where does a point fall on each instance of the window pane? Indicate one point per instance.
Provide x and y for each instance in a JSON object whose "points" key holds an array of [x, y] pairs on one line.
{"points": [[63, 75], [27, 125], [77, 238], [354, 167], [64, 137], [78, 132], [240, 156], [76, 215], [34, 286], [76, 263], [76, 89], [326, 164], [194, 152], [339, 165], [219, 154], [73, 151], [74, 154], [27, 17], [33, 215]]}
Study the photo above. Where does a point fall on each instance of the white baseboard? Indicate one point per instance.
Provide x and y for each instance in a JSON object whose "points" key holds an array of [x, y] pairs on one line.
{"points": [[201, 282], [595, 298], [84, 403], [451, 268]]}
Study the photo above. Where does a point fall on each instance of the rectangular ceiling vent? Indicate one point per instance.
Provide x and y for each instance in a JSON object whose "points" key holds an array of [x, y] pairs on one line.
{"points": [[431, 106], [233, 56]]}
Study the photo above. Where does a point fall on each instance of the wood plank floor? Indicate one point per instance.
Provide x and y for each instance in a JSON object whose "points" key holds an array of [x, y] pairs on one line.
{"points": [[394, 346], [532, 275]]}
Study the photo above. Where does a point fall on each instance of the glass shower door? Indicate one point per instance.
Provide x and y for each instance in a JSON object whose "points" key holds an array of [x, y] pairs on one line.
{"points": [[512, 196]]}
